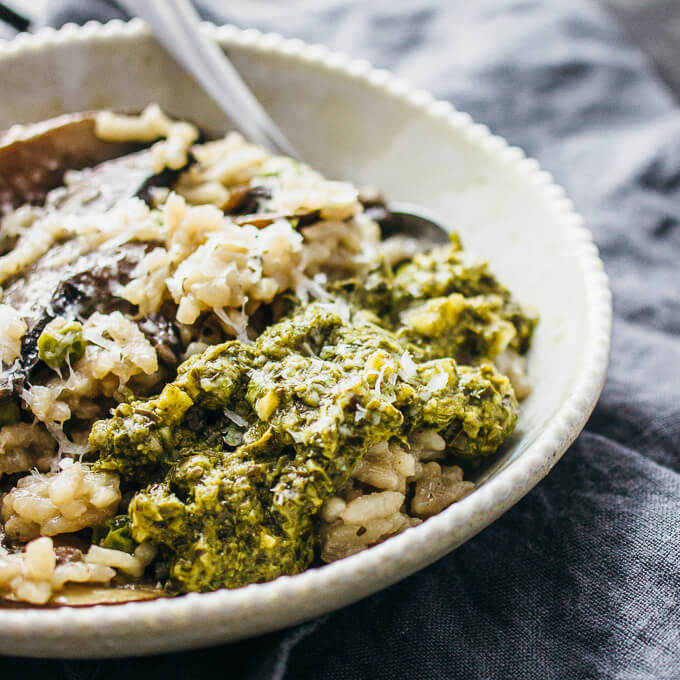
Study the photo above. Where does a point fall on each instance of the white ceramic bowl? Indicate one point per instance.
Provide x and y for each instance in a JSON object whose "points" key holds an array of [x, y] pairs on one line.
{"points": [[352, 122]]}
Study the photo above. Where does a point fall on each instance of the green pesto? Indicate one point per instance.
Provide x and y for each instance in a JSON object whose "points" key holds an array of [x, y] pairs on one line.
{"points": [[447, 301], [61, 343], [115, 534], [238, 454], [446, 272]]}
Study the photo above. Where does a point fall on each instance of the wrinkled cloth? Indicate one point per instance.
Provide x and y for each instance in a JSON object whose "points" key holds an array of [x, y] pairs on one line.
{"points": [[581, 579]]}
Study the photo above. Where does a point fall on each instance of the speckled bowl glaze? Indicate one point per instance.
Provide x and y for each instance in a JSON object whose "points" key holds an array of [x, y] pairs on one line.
{"points": [[362, 124]]}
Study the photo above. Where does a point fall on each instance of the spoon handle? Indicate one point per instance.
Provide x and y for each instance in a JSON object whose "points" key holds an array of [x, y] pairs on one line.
{"points": [[176, 25]]}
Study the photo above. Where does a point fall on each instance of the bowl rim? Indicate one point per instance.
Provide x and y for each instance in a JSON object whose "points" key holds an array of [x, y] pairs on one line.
{"points": [[489, 500]]}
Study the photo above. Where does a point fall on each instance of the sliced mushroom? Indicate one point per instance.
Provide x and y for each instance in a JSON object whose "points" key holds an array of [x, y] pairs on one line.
{"points": [[74, 595], [164, 336], [34, 158], [374, 204], [77, 595], [244, 199], [262, 220]]}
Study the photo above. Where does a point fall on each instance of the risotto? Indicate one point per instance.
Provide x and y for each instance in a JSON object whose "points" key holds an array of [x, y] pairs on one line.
{"points": [[215, 369]]}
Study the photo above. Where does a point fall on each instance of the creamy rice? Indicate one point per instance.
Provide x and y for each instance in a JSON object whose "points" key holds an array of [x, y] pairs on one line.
{"points": [[210, 257], [391, 489]]}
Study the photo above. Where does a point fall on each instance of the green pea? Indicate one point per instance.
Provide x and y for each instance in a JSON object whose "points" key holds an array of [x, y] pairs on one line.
{"points": [[61, 343]]}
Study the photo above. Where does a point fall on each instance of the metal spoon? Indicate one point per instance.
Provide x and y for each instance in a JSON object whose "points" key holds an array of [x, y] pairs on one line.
{"points": [[176, 25]]}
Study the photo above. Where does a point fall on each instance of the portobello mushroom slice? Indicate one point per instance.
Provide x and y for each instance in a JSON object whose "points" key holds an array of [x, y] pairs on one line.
{"points": [[34, 158], [87, 595]]}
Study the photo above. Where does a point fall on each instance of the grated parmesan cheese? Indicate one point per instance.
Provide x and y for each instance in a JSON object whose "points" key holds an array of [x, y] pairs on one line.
{"points": [[13, 329], [435, 384], [118, 346], [407, 367], [150, 125]]}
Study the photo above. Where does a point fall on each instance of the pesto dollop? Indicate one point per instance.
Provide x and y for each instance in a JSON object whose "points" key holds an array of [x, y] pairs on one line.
{"points": [[239, 453]]}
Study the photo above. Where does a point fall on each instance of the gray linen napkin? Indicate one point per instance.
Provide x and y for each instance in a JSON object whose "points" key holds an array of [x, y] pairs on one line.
{"points": [[582, 578]]}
